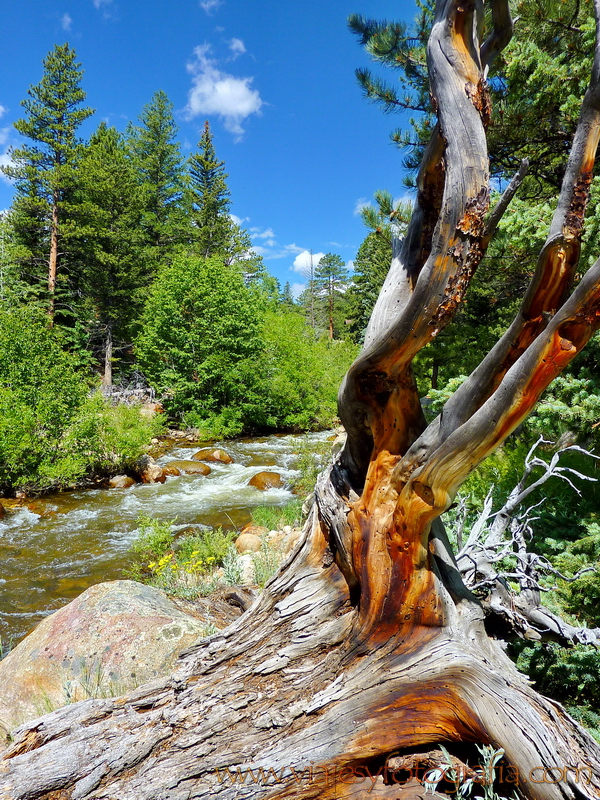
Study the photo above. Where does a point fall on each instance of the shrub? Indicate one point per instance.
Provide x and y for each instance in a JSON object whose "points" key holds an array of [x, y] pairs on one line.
{"points": [[183, 566], [52, 431], [199, 337], [299, 374]]}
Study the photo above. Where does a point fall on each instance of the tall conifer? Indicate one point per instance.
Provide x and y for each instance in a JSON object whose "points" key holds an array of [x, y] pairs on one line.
{"points": [[43, 171], [157, 158], [111, 272], [209, 197]]}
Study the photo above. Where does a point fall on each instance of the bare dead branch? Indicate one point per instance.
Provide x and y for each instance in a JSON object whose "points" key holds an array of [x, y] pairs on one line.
{"points": [[501, 34], [501, 206]]}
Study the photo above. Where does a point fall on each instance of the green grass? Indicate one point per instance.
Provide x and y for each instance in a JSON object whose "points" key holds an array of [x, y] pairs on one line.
{"points": [[276, 517]]}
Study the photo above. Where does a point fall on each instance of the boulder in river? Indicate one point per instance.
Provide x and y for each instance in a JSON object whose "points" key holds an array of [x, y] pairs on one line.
{"points": [[213, 454], [190, 467], [107, 641], [169, 469], [153, 473], [266, 480], [121, 482]]}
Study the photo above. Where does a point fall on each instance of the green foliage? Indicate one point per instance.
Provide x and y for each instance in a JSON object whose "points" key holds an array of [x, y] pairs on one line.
{"points": [[403, 48], [44, 170], [266, 563], [199, 338], [209, 197], [570, 404], [182, 566], [537, 90], [276, 517], [40, 395], [232, 569], [313, 457], [581, 597], [331, 278], [371, 265], [52, 431], [387, 220], [207, 549], [536, 85], [299, 374], [571, 676], [105, 242], [156, 156]]}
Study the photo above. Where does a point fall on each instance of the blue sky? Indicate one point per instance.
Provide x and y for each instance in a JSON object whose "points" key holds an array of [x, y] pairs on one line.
{"points": [[302, 147]]}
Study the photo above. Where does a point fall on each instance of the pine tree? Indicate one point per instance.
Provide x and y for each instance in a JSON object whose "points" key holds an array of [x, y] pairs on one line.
{"points": [[43, 171], [371, 265], [287, 298], [106, 241], [331, 278], [157, 157], [209, 198]]}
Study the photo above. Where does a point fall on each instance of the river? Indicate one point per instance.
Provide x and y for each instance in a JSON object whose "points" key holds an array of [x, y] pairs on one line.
{"points": [[55, 547]]}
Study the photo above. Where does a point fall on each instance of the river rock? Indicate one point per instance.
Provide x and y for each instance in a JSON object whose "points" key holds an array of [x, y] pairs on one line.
{"points": [[248, 543], [292, 540], [169, 469], [190, 467], [213, 454], [266, 480], [248, 569], [112, 638], [121, 482], [2, 511], [152, 472], [257, 530]]}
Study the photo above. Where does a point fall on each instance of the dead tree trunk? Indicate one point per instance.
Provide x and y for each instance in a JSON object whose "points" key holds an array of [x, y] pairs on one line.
{"points": [[367, 650], [53, 257]]}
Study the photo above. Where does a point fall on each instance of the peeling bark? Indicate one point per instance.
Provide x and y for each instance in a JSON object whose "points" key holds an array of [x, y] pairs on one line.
{"points": [[367, 649]]}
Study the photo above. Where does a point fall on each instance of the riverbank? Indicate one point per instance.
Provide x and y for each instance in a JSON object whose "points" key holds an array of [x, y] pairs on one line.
{"points": [[55, 546]]}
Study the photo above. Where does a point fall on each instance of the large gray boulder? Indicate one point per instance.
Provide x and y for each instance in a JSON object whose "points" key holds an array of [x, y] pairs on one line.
{"points": [[107, 641]]}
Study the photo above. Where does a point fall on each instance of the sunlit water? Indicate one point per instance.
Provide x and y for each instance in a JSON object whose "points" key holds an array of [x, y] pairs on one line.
{"points": [[61, 544]]}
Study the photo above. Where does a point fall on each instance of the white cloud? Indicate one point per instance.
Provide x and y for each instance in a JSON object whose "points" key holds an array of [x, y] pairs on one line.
{"points": [[5, 161], [268, 234], [350, 266], [106, 7], [297, 289], [66, 20], [238, 220], [5, 157], [361, 203], [216, 92], [3, 110], [210, 5], [303, 260], [265, 244], [237, 47]]}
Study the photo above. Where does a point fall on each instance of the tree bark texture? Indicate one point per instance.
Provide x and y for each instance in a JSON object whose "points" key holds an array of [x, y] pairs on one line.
{"points": [[367, 649], [53, 258]]}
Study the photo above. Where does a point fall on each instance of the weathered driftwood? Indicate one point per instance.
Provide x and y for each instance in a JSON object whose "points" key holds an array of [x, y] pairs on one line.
{"points": [[367, 648]]}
